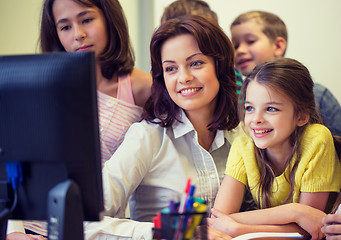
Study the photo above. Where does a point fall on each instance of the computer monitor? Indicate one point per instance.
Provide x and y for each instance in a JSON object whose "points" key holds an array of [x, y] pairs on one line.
{"points": [[49, 124]]}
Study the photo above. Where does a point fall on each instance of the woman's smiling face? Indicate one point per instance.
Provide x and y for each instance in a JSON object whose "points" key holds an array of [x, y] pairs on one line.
{"points": [[189, 75]]}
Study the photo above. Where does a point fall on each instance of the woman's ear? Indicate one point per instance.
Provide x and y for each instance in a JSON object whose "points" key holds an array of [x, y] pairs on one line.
{"points": [[303, 118], [281, 46]]}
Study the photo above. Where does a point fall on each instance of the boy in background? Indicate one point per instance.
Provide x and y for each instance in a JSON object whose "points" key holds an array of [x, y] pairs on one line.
{"points": [[260, 36]]}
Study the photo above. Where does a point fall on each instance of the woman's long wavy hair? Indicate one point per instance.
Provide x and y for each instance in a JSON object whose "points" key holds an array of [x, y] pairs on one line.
{"points": [[293, 79], [213, 42], [118, 57]]}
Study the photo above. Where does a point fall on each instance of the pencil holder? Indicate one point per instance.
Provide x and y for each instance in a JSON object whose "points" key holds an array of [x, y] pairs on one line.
{"points": [[180, 226]]}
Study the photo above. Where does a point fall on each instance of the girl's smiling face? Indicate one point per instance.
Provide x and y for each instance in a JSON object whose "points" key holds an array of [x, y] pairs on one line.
{"points": [[189, 75], [80, 28], [269, 117]]}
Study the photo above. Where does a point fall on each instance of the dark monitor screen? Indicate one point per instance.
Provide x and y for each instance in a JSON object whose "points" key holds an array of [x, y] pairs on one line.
{"points": [[49, 123]]}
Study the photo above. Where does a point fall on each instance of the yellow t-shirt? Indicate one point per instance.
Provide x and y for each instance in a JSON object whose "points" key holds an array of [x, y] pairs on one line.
{"points": [[319, 169]]}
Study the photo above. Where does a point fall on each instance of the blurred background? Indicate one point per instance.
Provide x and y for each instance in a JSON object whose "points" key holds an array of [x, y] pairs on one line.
{"points": [[313, 27]]}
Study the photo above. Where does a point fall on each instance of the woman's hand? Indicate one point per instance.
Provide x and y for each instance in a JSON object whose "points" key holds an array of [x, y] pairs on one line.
{"points": [[332, 226]]}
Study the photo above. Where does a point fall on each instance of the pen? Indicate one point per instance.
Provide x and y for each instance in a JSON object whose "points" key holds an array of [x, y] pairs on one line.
{"points": [[185, 196], [172, 208], [157, 226], [189, 203], [157, 221], [189, 207], [182, 208]]}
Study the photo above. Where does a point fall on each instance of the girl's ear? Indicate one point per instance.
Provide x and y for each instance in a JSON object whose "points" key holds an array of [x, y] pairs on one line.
{"points": [[303, 118], [281, 46]]}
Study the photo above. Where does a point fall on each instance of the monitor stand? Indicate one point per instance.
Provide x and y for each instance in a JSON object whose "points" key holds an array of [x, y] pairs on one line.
{"points": [[65, 212], [4, 214], [4, 201], [3, 224]]}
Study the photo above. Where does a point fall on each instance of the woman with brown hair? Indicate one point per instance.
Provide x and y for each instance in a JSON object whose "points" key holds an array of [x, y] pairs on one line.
{"points": [[187, 130]]}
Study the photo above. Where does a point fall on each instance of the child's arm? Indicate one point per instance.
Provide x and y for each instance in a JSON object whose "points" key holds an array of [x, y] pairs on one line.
{"points": [[230, 196], [315, 199], [234, 229], [16, 231], [276, 219], [307, 215], [23, 236], [212, 234]]}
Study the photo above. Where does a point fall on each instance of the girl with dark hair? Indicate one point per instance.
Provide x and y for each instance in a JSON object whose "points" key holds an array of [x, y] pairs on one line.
{"points": [[99, 26], [187, 130], [287, 156]]}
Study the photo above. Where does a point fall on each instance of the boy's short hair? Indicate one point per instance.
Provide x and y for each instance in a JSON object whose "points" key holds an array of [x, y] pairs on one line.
{"points": [[182, 8], [272, 26]]}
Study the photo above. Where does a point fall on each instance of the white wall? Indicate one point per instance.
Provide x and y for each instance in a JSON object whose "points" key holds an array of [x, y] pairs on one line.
{"points": [[19, 26], [313, 27]]}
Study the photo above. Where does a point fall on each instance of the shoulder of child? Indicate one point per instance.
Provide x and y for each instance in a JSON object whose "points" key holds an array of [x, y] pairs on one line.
{"points": [[318, 130], [141, 83], [244, 141], [234, 133], [317, 137]]}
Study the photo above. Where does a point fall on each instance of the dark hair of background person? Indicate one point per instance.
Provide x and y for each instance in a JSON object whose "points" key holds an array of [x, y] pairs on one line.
{"points": [[182, 8], [212, 42], [118, 57]]}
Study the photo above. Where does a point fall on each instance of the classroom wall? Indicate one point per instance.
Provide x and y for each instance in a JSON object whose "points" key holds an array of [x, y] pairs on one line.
{"points": [[19, 26], [313, 27]]}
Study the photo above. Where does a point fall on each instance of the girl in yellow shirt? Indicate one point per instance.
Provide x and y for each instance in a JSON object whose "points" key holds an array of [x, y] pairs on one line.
{"points": [[287, 156]]}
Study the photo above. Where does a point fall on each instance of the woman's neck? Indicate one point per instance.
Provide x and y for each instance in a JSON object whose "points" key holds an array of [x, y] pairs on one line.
{"points": [[200, 122]]}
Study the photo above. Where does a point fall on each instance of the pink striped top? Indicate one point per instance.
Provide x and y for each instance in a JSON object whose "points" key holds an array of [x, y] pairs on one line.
{"points": [[115, 116]]}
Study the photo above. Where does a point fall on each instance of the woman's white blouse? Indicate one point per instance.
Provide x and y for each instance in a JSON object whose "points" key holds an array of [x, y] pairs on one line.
{"points": [[151, 167]]}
